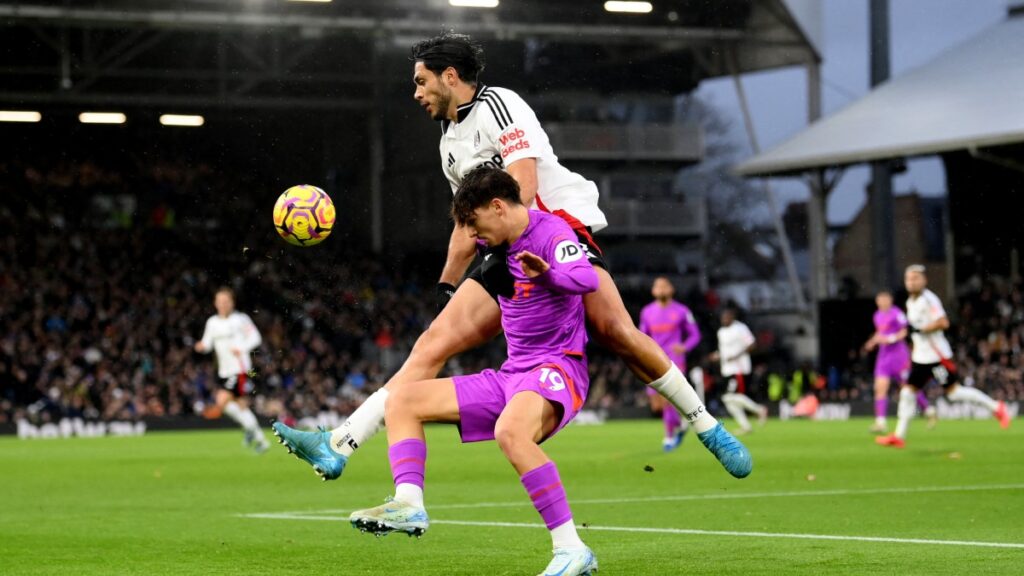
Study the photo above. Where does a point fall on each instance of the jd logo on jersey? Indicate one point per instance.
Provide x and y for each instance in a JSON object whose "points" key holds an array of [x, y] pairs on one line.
{"points": [[568, 251]]}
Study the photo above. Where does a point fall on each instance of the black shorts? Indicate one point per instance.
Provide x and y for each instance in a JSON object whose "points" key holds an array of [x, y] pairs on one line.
{"points": [[239, 384], [583, 234], [735, 384], [945, 373]]}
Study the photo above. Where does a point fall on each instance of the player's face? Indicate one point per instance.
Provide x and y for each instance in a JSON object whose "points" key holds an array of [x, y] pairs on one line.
{"points": [[431, 91], [487, 224], [727, 318], [883, 301], [662, 290], [224, 303], [914, 282]]}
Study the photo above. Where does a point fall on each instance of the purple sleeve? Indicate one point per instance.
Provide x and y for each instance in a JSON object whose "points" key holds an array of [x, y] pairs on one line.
{"points": [[570, 271], [692, 330], [575, 278]]}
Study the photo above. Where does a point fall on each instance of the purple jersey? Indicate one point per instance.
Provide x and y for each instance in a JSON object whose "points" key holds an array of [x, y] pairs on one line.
{"points": [[544, 317], [889, 323], [667, 326]]}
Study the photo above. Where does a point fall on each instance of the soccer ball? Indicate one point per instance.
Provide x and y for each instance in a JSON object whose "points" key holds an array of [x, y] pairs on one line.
{"points": [[304, 215]]}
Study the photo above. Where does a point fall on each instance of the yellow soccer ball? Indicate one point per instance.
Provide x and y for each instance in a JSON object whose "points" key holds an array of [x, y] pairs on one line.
{"points": [[304, 215]]}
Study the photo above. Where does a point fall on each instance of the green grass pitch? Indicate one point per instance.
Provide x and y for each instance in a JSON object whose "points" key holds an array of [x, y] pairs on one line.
{"points": [[182, 503]]}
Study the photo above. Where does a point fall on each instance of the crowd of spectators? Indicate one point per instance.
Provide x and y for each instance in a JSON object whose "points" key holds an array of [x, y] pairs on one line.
{"points": [[107, 277]]}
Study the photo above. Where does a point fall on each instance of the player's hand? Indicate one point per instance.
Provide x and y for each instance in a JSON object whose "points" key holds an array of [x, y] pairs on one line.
{"points": [[200, 347], [532, 264], [236, 352], [445, 292], [714, 357], [679, 348]]}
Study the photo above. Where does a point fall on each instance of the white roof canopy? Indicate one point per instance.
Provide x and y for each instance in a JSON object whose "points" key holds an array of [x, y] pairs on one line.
{"points": [[970, 96]]}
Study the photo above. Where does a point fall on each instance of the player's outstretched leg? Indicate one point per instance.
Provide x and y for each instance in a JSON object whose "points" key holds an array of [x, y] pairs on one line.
{"points": [[471, 318], [612, 326], [312, 447], [239, 411], [960, 393]]}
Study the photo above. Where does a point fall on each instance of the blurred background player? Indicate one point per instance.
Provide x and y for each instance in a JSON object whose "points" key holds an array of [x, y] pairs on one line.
{"points": [[735, 341], [538, 390], [893, 360], [666, 321], [932, 358], [233, 336], [495, 127]]}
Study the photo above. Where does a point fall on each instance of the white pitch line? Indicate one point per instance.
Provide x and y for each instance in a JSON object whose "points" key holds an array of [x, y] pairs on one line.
{"points": [[683, 531], [717, 496]]}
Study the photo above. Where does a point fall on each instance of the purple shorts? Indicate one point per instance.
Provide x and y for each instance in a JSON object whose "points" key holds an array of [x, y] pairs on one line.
{"points": [[482, 397], [893, 363]]}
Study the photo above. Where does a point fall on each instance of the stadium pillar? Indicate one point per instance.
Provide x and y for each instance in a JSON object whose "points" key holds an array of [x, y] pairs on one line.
{"points": [[377, 155], [817, 214], [883, 249]]}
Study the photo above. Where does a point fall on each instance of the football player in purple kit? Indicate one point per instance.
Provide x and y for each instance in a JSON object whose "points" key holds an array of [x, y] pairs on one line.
{"points": [[666, 321], [536, 392], [893, 360]]}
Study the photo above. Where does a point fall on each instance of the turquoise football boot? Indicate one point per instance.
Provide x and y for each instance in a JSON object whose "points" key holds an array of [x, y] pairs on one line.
{"points": [[314, 448], [733, 455]]}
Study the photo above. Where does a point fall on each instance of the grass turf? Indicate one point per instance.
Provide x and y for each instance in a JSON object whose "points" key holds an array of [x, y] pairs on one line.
{"points": [[174, 503]]}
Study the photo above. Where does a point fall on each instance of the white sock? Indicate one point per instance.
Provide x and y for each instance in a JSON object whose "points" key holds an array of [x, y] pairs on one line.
{"points": [[362, 425], [735, 408], [905, 410], [973, 396], [249, 422], [234, 411], [748, 404], [565, 536], [674, 387], [880, 420], [410, 494]]}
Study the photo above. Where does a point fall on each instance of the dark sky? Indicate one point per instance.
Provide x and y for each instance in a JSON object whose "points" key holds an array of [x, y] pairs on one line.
{"points": [[920, 30]]}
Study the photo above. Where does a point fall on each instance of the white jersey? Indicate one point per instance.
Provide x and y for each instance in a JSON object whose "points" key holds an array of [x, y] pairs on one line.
{"points": [[733, 342], [921, 312], [225, 335], [498, 128]]}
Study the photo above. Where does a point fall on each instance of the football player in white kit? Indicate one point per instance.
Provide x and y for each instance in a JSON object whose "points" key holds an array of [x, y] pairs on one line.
{"points": [[491, 126], [735, 341], [931, 358], [233, 336]]}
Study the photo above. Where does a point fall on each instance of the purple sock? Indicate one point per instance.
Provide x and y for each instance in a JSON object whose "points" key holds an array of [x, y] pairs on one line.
{"points": [[670, 416], [408, 461], [922, 400], [881, 407], [548, 495]]}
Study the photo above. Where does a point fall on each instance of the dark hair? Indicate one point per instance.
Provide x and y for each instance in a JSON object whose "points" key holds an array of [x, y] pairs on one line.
{"points": [[451, 50], [479, 187]]}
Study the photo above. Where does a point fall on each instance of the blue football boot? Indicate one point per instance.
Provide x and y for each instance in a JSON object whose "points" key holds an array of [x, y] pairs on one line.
{"points": [[314, 448], [733, 455]]}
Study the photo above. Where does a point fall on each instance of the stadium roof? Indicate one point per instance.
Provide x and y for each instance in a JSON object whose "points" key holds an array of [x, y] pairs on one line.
{"points": [[273, 53], [971, 96]]}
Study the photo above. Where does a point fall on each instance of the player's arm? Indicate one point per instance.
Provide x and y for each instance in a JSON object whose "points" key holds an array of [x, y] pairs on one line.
{"points": [[205, 344], [525, 173], [566, 269], [461, 250], [941, 321], [251, 338], [510, 123], [691, 330]]}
